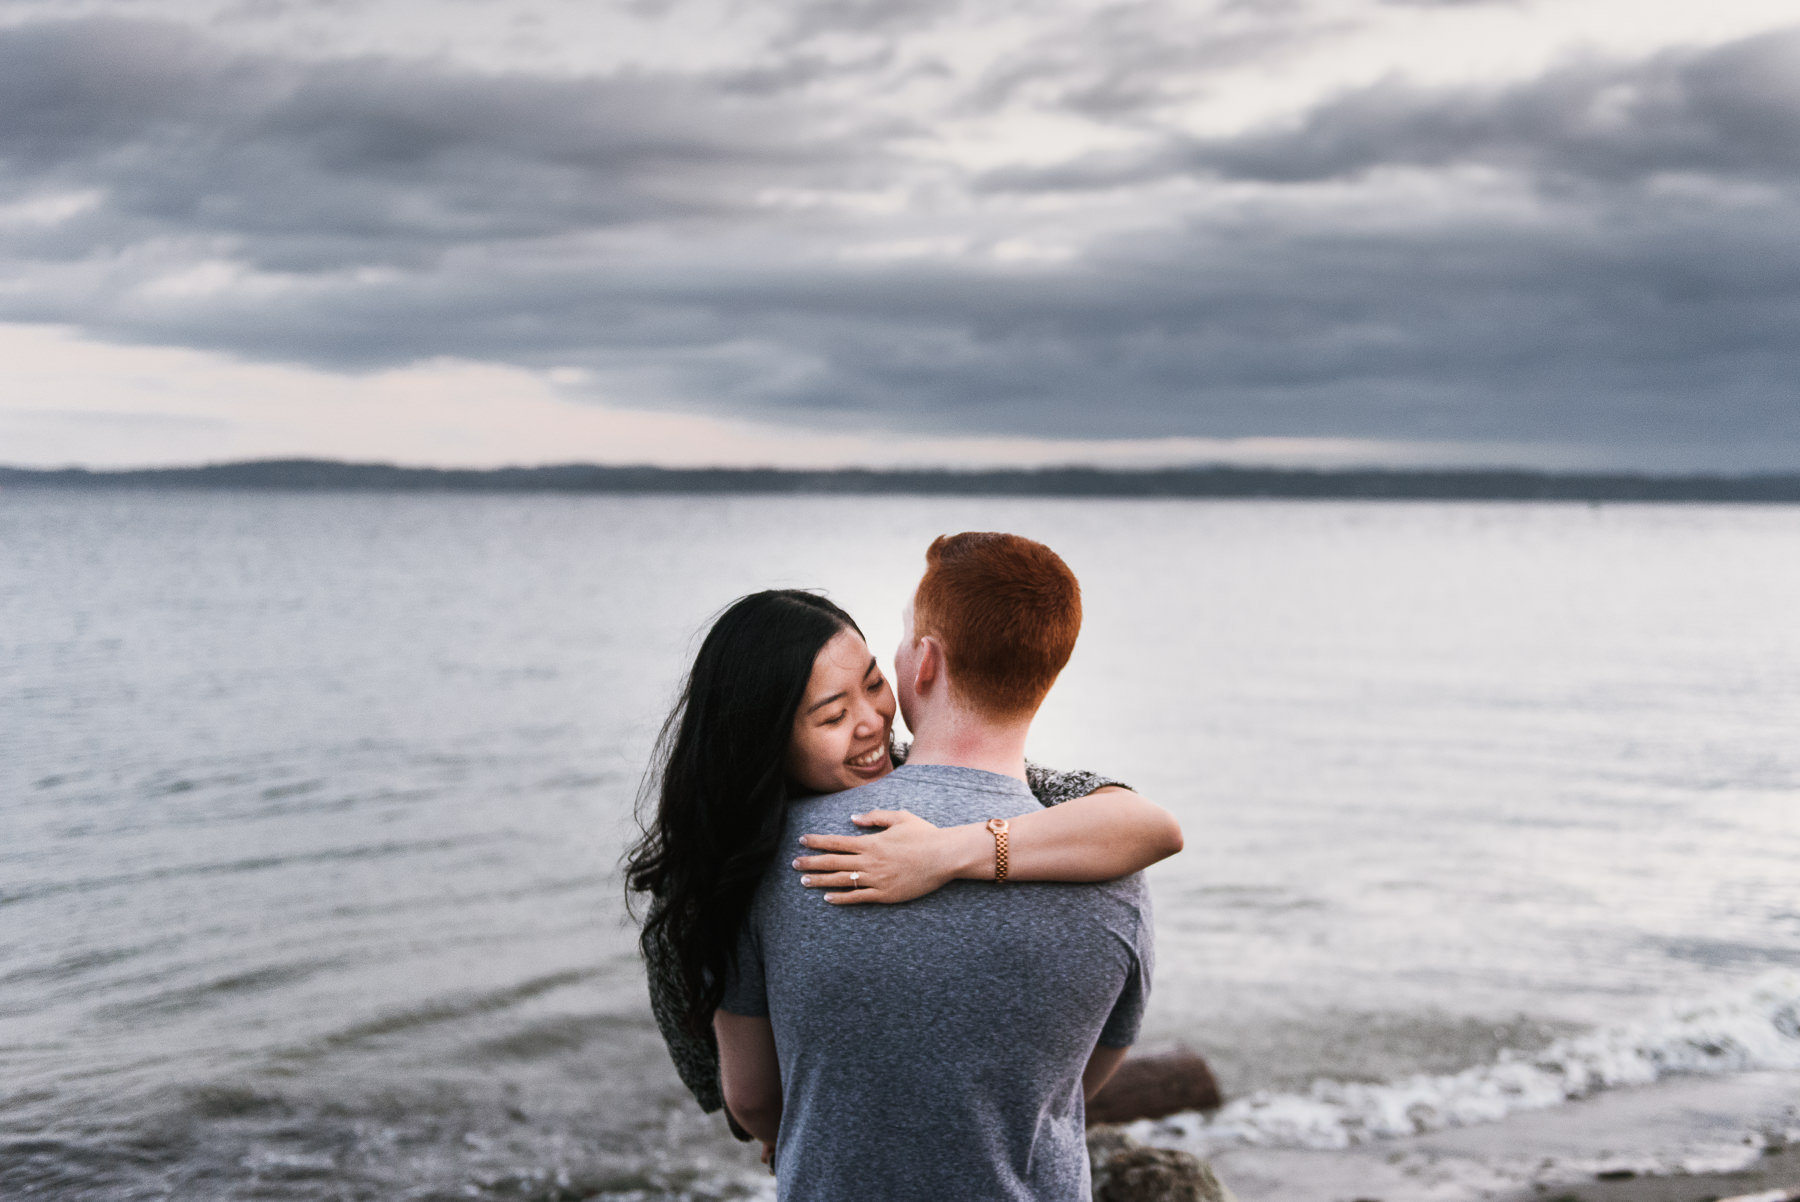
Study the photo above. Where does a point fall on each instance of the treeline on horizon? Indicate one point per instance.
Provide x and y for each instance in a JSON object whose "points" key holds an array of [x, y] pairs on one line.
{"points": [[312, 475]]}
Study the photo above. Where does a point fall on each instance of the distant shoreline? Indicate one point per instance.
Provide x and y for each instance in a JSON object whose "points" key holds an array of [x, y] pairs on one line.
{"points": [[1448, 484]]}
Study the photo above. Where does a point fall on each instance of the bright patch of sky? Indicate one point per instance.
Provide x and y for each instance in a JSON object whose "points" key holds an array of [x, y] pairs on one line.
{"points": [[80, 404]]}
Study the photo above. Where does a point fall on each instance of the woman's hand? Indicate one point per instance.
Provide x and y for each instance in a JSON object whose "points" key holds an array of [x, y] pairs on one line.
{"points": [[907, 859]]}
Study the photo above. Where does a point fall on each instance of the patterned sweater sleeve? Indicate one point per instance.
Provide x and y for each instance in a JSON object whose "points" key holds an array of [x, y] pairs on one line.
{"points": [[696, 1056], [1052, 787]]}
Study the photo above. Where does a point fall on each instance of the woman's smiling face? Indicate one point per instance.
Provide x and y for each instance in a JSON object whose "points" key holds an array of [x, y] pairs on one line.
{"points": [[841, 731]]}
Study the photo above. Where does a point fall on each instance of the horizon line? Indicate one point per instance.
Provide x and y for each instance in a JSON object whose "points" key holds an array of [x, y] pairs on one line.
{"points": [[1194, 481], [1210, 465]]}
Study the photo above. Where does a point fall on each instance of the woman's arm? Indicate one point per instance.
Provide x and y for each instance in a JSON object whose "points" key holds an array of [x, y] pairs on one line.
{"points": [[1110, 833], [1100, 1068], [750, 1073]]}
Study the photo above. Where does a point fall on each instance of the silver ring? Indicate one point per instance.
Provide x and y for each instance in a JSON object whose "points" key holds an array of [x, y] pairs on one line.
{"points": [[853, 879]]}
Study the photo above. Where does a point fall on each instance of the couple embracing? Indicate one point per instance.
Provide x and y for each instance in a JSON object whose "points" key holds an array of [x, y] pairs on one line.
{"points": [[941, 1042]]}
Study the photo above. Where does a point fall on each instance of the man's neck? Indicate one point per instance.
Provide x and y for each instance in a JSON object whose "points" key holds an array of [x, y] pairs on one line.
{"points": [[966, 741]]}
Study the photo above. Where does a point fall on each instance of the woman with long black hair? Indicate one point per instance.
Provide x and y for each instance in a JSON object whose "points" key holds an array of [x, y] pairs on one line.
{"points": [[783, 701]]}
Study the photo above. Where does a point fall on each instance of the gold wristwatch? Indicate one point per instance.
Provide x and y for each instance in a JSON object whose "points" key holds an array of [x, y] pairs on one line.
{"points": [[998, 827]]}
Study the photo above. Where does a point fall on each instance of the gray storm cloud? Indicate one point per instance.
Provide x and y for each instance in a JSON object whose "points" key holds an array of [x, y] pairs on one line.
{"points": [[1611, 260], [369, 162]]}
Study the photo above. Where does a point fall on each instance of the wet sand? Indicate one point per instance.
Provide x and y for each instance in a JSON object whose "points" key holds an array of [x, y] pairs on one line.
{"points": [[1775, 1176], [1680, 1140]]}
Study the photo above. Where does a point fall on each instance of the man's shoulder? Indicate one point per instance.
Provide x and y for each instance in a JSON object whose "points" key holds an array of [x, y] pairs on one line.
{"points": [[939, 793]]}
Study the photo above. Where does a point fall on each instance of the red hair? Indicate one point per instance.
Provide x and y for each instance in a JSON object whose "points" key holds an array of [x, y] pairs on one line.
{"points": [[1006, 610]]}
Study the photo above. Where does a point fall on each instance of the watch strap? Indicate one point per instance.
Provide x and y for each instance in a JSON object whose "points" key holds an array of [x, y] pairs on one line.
{"points": [[998, 827]]}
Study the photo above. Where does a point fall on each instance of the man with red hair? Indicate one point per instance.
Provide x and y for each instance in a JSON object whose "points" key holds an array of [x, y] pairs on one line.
{"points": [[943, 1048]]}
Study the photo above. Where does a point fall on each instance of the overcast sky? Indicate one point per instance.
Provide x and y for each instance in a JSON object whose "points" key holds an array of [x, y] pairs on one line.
{"points": [[1561, 233]]}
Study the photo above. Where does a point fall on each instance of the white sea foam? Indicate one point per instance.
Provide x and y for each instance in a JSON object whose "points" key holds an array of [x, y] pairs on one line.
{"points": [[1755, 1026]]}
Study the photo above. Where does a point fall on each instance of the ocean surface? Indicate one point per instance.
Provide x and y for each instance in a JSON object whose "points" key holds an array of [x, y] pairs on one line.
{"points": [[311, 808]]}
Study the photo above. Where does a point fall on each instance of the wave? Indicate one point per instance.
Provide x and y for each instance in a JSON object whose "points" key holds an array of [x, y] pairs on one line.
{"points": [[451, 1010], [330, 855], [1753, 1027]]}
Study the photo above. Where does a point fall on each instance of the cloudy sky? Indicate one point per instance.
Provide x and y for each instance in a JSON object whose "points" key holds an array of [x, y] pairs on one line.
{"points": [[1548, 232]]}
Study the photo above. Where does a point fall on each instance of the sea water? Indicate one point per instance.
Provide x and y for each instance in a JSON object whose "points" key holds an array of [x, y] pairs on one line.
{"points": [[311, 809]]}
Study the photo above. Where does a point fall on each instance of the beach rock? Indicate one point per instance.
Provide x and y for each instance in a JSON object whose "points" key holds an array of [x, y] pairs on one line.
{"points": [[1127, 1171], [1149, 1087], [1103, 1143]]}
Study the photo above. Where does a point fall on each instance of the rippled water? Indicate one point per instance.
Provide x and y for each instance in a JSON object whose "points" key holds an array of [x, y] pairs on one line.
{"points": [[310, 806]]}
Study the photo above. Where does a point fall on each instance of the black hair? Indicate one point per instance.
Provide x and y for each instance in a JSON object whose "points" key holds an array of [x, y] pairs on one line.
{"points": [[720, 784]]}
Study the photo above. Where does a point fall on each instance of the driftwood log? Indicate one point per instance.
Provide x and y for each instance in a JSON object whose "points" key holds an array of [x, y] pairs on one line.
{"points": [[1150, 1087]]}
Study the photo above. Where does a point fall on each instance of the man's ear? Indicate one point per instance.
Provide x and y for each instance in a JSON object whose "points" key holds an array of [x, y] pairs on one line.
{"points": [[931, 665]]}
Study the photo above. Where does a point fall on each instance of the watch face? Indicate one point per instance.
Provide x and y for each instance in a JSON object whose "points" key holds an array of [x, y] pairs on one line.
{"points": [[997, 825]]}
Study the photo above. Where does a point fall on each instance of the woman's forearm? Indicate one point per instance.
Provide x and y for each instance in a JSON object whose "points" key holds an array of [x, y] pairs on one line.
{"points": [[1110, 833]]}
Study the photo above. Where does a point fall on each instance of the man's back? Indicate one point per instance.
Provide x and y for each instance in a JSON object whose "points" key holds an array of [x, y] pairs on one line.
{"points": [[934, 1049]]}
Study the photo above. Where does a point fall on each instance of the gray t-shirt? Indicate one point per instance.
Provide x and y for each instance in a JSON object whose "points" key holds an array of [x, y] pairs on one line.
{"points": [[934, 1049]]}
